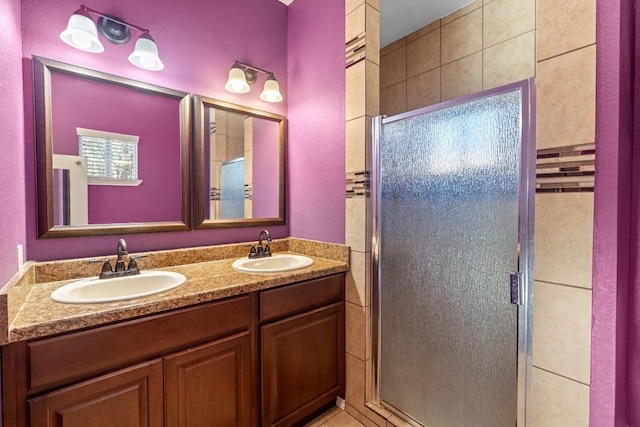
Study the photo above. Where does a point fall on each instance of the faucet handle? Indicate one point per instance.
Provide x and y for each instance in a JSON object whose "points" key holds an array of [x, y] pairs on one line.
{"points": [[253, 252], [106, 266], [132, 267], [133, 258]]}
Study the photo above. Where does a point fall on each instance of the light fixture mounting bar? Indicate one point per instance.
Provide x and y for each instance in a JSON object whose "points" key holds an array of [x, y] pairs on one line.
{"points": [[111, 18], [245, 66]]}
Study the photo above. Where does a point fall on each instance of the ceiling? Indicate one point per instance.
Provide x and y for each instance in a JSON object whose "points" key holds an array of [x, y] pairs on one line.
{"points": [[401, 17]]}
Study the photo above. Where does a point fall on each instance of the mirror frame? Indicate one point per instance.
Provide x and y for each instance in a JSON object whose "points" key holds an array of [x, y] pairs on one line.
{"points": [[44, 149], [200, 187]]}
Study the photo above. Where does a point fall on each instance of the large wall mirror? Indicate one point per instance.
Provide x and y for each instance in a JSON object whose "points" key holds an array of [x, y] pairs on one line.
{"points": [[239, 165], [113, 154]]}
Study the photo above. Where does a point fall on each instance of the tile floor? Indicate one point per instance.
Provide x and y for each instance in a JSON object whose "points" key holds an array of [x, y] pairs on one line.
{"points": [[335, 417]]}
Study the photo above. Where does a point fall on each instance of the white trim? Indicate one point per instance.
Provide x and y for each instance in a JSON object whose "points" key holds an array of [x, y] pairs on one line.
{"points": [[107, 135], [115, 182], [287, 2], [78, 190]]}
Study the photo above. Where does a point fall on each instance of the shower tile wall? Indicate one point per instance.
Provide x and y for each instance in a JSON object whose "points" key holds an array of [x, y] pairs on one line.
{"points": [[362, 103], [231, 137], [475, 48], [565, 51], [488, 44]]}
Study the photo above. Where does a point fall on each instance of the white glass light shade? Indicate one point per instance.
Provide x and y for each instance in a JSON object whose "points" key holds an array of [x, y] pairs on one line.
{"points": [[145, 54], [237, 82], [271, 91], [81, 33]]}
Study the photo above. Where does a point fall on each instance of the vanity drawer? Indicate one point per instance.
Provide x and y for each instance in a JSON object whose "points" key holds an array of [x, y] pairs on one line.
{"points": [[71, 357], [301, 297]]}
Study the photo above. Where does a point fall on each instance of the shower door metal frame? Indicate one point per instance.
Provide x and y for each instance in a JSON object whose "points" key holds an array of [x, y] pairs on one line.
{"points": [[526, 203]]}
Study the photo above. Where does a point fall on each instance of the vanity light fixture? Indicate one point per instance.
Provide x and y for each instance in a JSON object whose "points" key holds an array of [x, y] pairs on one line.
{"points": [[82, 33], [241, 76]]}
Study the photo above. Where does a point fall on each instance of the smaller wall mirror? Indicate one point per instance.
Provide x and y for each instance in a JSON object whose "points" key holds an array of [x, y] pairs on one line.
{"points": [[239, 165], [113, 154]]}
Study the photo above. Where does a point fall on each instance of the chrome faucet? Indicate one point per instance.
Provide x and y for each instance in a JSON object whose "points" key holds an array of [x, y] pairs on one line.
{"points": [[261, 251], [120, 270], [122, 251]]}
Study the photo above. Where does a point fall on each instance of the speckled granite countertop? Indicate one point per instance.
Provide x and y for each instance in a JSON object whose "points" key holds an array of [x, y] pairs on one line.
{"points": [[32, 313]]}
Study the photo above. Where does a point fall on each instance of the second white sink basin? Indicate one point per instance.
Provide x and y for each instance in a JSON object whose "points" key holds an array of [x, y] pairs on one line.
{"points": [[273, 264], [94, 290]]}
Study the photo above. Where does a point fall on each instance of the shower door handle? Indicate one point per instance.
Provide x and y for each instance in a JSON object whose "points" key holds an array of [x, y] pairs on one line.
{"points": [[515, 285]]}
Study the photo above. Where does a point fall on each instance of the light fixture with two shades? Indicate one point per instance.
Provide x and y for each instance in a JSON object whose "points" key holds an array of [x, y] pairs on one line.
{"points": [[82, 33], [242, 75]]}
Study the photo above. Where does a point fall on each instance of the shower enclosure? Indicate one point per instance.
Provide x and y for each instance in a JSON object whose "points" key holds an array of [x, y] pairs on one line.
{"points": [[232, 189], [452, 194]]}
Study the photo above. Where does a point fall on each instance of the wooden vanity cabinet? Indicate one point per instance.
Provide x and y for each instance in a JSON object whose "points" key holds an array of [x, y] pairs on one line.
{"points": [[205, 386], [302, 349], [210, 386], [269, 358], [129, 397], [190, 367]]}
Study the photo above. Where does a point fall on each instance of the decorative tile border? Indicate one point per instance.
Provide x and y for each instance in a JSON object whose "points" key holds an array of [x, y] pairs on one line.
{"points": [[358, 184], [214, 194], [248, 191], [355, 49], [566, 169]]}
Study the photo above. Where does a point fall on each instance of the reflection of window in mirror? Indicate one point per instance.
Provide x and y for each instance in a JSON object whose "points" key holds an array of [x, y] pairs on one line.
{"points": [[112, 158], [230, 165]]}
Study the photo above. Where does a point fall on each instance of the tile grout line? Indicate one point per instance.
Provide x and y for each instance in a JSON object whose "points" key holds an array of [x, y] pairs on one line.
{"points": [[562, 284], [560, 375], [567, 52], [509, 39]]}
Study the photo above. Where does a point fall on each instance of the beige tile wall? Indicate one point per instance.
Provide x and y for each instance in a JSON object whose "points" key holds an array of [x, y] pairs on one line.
{"points": [[362, 103], [565, 49], [487, 44], [478, 47]]}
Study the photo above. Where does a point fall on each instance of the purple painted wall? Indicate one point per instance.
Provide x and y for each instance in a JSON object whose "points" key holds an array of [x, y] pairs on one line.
{"points": [[634, 307], [316, 120], [611, 260], [154, 118], [12, 187], [265, 172], [198, 41]]}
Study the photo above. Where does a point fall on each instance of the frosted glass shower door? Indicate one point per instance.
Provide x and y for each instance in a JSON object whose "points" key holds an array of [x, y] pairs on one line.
{"points": [[232, 189], [453, 205]]}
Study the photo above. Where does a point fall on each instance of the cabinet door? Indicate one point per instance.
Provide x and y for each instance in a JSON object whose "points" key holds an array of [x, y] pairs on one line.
{"points": [[210, 385], [128, 398], [303, 363]]}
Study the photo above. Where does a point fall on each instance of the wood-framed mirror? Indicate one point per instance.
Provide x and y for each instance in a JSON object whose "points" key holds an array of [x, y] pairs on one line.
{"points": [[239, 156], [113, 154]]}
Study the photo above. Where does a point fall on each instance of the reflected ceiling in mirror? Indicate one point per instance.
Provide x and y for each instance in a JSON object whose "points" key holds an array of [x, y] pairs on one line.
{"points": [[113, 153], [239, 165]]}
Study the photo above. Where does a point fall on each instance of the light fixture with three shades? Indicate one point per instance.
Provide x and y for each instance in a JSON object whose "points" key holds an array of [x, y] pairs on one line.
{"points": [[82, 33]]}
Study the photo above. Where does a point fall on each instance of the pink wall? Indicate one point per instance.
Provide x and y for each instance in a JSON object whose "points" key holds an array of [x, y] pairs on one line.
{"points": [[634, 307], [198, 42], [611, 261], [316, 120], [12, 187], [88, 104], [265, 171]]}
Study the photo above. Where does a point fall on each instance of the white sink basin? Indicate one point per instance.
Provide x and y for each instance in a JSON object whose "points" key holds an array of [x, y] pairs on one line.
{"points": [[94, 290], [273, 264]]}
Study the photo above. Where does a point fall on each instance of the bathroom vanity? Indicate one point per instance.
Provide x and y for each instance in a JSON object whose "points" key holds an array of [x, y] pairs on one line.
{"points": [[271, 355]]}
